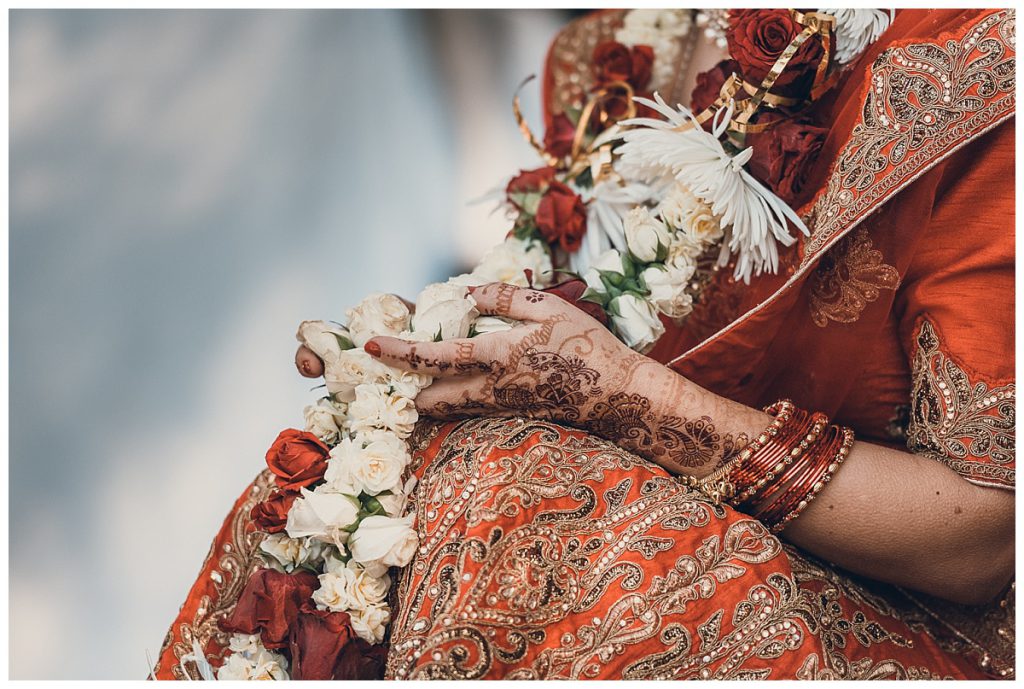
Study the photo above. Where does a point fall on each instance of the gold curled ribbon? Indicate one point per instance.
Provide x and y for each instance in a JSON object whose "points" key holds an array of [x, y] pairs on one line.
{"points": [[525, 128], [576, 161]]}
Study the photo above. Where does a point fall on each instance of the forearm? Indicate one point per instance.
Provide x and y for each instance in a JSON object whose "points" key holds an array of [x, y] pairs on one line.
{"points": [[887, 514]]}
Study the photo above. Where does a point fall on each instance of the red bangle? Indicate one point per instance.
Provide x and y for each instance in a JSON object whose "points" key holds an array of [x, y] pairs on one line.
{"points": [[818, 486]]}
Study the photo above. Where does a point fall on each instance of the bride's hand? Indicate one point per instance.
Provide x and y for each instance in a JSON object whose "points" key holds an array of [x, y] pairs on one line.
{"points": [[560, 364]]}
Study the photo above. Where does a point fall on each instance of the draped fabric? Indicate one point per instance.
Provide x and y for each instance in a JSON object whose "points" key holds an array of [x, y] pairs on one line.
{"points": [[548, 553]]}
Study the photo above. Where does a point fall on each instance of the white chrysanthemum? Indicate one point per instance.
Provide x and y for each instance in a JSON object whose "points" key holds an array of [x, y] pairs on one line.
{"points": [[679, 148], [608, 204], [856, 29]]}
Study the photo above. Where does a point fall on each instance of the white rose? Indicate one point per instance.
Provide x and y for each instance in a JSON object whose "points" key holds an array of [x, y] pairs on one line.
{"points": [[287, 554], [325, 420], [703, 225], [508, 261], [645, 234], [245, 645], [416, 336], [668, 289], [322, 339], [394, 504], [350, 587], [333, 593], [446, 308], [370, 623], [374, 461], [368, 590], [684, 250], [343, 457], [255, 662], [492, 324], [609, 262], [385, 541], [375, 406], [322, 514], [353, 367], [377, 314], [409, 383], [636, 322], [677, 206]]}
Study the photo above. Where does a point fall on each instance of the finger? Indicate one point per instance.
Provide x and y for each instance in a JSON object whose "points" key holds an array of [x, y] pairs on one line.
{"points": [[438, 359], [445, 393], [519, 303], [308, 363]]}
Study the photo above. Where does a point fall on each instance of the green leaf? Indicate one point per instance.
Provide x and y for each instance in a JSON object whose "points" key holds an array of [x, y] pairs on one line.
{"points": [[472, 330], [437, 335], [373, 506], [343, 341]]}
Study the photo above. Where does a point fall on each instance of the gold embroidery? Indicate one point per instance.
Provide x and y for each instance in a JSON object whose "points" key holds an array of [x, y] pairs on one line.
{"points": [[924, 101], [960, 422], [529, 531], [239, 559], [848, 278], [571, 54]]}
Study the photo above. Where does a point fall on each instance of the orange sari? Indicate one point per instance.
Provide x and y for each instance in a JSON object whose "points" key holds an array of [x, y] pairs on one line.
{"points": [[547, 553]]}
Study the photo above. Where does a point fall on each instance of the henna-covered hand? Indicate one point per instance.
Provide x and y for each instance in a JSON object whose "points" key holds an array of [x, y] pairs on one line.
{"points": [[563, 365]]}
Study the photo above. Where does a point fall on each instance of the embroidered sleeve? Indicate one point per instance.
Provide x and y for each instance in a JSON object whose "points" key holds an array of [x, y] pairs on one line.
{"points": [[958, 418]]}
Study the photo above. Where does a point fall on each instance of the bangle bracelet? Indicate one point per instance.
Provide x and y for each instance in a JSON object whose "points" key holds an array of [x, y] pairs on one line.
{"points": [[719, 485], [832, 467], [789, 455], [779, 499]]}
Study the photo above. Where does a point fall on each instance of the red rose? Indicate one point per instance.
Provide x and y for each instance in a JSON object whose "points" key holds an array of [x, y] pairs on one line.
{"points": [[783, 157], [269, 605], [360, 660], [615, 62], [709, 85], [562, 217], [756, 40], [317, 641], [571, 291], [531, 180], [559, 136], [297, 458], [271, 515]]}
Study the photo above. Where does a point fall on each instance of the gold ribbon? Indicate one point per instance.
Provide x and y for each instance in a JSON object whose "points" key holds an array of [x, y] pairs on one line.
{"points": [[814, 23], [525, 128]]}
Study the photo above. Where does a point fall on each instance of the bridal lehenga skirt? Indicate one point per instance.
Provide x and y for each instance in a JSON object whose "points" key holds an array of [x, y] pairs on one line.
{"points": [[546, 553]]}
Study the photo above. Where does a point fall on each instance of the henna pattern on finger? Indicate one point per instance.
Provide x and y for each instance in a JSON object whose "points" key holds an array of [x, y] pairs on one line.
{"points": [[535, 297], [506, 293]]}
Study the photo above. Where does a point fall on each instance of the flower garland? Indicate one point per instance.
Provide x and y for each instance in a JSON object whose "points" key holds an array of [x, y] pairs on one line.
{"points": [[634, 194]]}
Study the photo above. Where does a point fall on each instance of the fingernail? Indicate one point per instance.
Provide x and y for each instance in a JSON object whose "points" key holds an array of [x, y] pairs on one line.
{"points": [[372, 348], [470, 290]]}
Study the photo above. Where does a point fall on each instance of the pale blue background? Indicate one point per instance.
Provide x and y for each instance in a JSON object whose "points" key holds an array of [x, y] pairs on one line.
{"points": [[185, 188]]}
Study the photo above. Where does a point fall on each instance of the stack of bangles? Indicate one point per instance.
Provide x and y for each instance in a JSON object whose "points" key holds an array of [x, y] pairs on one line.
{"points": [[776, 476]]}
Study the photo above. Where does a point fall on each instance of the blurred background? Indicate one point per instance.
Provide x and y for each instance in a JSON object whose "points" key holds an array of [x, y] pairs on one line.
{"points": [[185, 187]]}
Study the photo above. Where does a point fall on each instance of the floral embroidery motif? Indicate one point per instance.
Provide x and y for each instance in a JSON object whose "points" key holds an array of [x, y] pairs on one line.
{"points": [[238, 558], [849, 277], [960, 422], [925, 100], [547, 553]]}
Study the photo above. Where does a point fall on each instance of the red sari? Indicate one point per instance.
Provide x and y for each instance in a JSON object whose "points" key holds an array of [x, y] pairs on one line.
{"points": [[547, 553]]}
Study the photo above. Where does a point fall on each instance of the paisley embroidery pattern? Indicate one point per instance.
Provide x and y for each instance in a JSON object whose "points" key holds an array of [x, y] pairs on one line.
{"points": [[848, 278], [959, 421], [236, 552], [546, 553], [925, 100]]}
